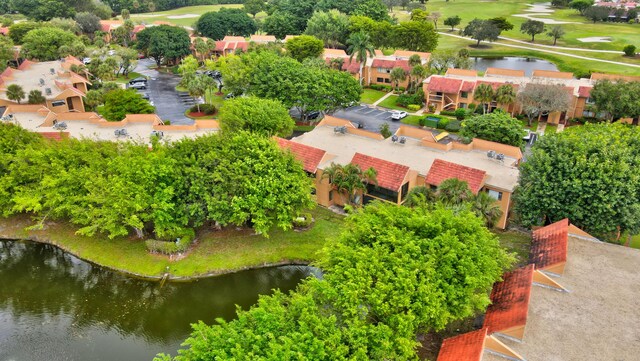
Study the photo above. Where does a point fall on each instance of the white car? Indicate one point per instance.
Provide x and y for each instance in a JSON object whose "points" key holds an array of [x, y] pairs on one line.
{"points": [[86, 61], [397, 115]]}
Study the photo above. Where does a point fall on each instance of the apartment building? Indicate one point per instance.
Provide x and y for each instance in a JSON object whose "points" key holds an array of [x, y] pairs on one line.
{"points": [[412, 157], [62, 88]]}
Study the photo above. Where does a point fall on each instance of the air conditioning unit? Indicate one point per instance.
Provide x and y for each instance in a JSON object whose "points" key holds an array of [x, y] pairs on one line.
{"points": [[341, 130], [491, 154], [403, 140], [41, 82], [394, 138], [47, 91], [500, 157]]}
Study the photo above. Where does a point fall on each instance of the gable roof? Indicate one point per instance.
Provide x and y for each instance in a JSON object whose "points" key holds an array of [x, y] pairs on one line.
{"points": [[552, 74], [445, 85], [504, 72], [407, 54], [510, 300], [462, 72], [4, 31], [262, 38], [442, 170], [352, 67], [308, 155], [390, 64], [584, 91], [389, 175], [58, 136], [549, 244], [334, 53], [468, 86], [229, 38], [465, 347]]}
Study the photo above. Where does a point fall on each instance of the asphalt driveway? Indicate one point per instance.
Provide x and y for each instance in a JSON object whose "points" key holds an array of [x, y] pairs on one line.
{"points": [[370, 118]]}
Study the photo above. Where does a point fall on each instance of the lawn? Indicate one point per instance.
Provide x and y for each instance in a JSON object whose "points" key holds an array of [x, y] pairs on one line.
{"points": [[370, 96], [551, 128], [412, 120], [216, 251], [516, 242], [181, 16], [122, 79], [390, 103], [533, 127]]}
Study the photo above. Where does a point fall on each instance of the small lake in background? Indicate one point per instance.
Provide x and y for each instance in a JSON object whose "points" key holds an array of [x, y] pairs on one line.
{"points": [[515, 63], [54, 306]]}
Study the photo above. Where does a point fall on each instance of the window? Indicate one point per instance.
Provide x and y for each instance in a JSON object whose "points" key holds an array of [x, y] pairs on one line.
{"points": [[439, 94], [380, 80], [462, 105], [382, 193], [58, 103], [464, 94], [387, 81], [330, 196], [588, 114], [404, 190], [590, 101], [495, 194]]}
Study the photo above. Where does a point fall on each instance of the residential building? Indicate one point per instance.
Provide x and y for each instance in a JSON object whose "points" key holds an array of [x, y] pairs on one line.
{"points": [[230, 45], [413, 157], [62, 88], [339, 59], [378, 68], [262, 39], [456, 88]]}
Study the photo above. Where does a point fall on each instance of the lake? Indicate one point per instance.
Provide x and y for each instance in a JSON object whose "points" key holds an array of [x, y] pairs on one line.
{"points": [[54, 306], [516, 63]]}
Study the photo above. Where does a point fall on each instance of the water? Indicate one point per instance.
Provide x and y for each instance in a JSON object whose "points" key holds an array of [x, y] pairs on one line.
{"points": [[516, 63], [54, 306]]}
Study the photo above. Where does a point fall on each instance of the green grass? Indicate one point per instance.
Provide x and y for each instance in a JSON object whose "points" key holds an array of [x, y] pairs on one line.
{"points": [[390, 103], [149, 18], [516, 242], [370, 96], [551, 128], [122, 79], [411, 120], [303, 128], [534, 124], [215, 252]]}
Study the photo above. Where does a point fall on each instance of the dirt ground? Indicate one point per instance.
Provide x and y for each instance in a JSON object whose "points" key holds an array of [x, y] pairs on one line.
{"points": [[598, 319]]}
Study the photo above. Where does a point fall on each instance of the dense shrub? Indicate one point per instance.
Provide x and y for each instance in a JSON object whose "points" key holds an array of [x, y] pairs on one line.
{"points": [[629, 50], [179, 245], [460, 113], [447, 112], [414, 107], [380, 87], [207, 109], [443, 122], [303, 221], [407, 99], [453, 126]]}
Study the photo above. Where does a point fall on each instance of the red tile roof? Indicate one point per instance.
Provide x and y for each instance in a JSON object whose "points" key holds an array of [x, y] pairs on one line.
{"points": [[220, 45], [390, 64], [468, 86], [549, 244], [465, 347], [442, 170], [352, 67], [25, 65], [584, 91], [4, 31], [510, 300], [445, 85], [389, 175], [494, 84], [309, 156]]}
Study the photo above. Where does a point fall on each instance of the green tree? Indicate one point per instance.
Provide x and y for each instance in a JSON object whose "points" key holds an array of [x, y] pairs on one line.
{"points": [[505, 95], [280, 24], [7, 52], [484, 95], [442, 60], [48, 9], [452, 21], [44, 44], [36, 97], [556, 32], [420, 196], [581, 5], [304, 46], [454, 192], [629, 50], [263, 116], [501, 23], [380, 32], [197, 86], [597, 13], [15, 93], [415, 36], [496, 127], [331, 27], [349, 179], [92, 99], [533, 28], [616, 99], [88, 23], [397, 75], [481, 30], [537, 99], [125, 14], [217, 24], [587, 174], [188, 66], [123, 35], [485, 207], [127, 60], [17, 31], [360, 49], [120, 102], [253, 7], [164, 43]]}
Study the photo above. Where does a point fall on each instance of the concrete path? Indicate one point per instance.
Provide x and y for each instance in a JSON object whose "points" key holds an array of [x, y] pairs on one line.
{"points": [[382, 99], [529, 47], [561, 47], [541, 127], [560, 128]]}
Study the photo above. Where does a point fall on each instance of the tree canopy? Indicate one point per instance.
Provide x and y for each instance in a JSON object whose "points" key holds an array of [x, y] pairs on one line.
{"points": [[588, 174], [45, 44], [217, 24], [6, 52], [415, 36], [263, 116], [616, 99], [331, 27], [537, 99], [120, 102], [17, 31], [164, 43], [497, 127], [481, 30], [304, 46], [533, 28]]}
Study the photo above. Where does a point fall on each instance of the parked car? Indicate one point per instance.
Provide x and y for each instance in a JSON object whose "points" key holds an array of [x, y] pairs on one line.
{"points": [[111, 52], [145, 96], [138, 80], [137, 86], [229, 96], [397, 115], [86, 61], [313, 115]]}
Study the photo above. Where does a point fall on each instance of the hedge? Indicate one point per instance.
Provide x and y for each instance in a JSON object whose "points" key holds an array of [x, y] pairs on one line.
{"points": [[181, 244]]}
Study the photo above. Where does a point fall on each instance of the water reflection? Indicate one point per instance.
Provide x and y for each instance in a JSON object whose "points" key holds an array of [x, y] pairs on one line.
{"points": [[54, 306], [515, 63]]}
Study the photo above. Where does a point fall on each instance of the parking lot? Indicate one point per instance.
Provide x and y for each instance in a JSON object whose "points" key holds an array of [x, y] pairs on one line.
{"points": [[370, 118]]}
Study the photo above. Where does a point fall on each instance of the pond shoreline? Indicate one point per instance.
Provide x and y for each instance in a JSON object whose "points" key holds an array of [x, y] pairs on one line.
{"points": [[14, 229]]}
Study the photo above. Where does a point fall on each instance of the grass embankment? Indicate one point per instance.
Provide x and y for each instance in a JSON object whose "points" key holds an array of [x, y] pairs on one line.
{"points": [[182, 16], [216, 251], [125, 79], [390, 103], [370, 96]]}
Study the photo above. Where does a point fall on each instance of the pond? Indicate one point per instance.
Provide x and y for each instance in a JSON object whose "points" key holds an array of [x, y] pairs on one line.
{"points": [[516, 63], [54, 306]]}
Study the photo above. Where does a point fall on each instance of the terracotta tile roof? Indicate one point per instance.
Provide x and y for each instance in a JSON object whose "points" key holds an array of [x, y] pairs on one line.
{"points": [[510, 300], [494, 84], [549, 244], [442, 170], [468, 86], [390, 64], [462, 72], [407, 54], [445, 85], [352, 67], [6, 73], [389, 175], [55, 135], [309, 156], [552, 74], [504, 72], [334, 53], [262, 38], [4, 31], [138, 28], [25, 65], [220, 45], [465, 347], [584, 91], [230, 38]]}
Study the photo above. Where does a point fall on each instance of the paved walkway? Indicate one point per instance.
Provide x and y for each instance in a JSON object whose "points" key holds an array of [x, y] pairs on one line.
{"points": [[561, 47], [541, 127], [533, 47], [375, 104]]}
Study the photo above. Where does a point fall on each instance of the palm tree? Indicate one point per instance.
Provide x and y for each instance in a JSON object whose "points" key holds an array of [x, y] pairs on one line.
{"points": [[337, 63], [484, 206], [15, 93], [505, 95], [397, 75], [349, 179], [419, 195], [454, 191], [361, 49], [36, 97], [418, 73], [483, 94]]}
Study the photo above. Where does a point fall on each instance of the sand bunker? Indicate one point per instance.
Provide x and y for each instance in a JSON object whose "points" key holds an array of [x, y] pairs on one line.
{"points": [[185, 16], [541, 9], [596, 39]]}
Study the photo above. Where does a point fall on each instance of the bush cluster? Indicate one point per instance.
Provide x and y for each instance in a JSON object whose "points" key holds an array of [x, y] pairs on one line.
{"points": [[408, 99], [207, 109], [303, 221], [380, 87], [179, 245]]}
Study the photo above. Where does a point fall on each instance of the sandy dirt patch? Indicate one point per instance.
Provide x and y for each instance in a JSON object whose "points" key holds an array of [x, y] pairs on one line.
{"points": [[185, 16], [541, 9], [596, 39]]}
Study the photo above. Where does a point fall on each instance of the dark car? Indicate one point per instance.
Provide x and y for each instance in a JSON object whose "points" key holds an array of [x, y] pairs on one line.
{"points": [[229, 96], [313, 115], [138, 80]]}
